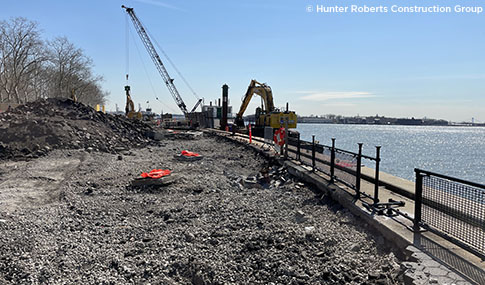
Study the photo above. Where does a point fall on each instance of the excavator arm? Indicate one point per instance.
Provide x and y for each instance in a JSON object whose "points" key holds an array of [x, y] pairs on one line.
{"points": [[130, 106], [260, 89]]}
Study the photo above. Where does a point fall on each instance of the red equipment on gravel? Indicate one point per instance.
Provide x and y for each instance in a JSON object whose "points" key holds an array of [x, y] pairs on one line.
{"points": [[189, 153], [156, 173]]}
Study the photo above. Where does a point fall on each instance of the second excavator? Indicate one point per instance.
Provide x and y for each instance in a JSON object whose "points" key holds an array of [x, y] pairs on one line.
{"points": [[130, 106]]}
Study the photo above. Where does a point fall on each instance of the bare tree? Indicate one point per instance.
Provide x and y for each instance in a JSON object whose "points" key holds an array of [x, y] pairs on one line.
{"points": [[69, 66], [21, 54], [91, 93], [31, 69], [39, 84], [71, 70]]}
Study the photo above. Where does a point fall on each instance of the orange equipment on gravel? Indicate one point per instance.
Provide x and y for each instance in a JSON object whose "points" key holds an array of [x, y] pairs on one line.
{"points": [[189, 153], [156, 173]]}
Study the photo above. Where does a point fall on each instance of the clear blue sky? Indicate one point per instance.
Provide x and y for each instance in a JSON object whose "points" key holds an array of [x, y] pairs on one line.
{"points": [[388, 64]]}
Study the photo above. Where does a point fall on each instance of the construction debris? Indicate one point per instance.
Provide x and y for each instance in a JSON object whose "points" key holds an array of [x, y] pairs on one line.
{"points": [[182, 134], [270, 177]]}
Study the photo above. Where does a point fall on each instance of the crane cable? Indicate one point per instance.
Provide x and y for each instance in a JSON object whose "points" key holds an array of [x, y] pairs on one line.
{"points": [[148, 76], [127, 39], [130, 32], [172, 64], [177, 70]]}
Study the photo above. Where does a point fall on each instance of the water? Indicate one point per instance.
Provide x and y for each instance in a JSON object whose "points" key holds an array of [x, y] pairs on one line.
{"points": [[453, 151]]}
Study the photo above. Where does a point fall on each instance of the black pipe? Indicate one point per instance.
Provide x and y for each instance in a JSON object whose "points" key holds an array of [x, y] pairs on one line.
{"points": [[313, 152], [225, 92], [376, 180], [418, 199], [332, 161], [359, 170]]}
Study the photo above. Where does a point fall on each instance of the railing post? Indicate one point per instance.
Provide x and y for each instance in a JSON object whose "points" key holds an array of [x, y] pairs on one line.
{"points": [[376, 179], [313, 152], [418, 199], [286, 138], [358, 171], [332, 161], [298, 148], [282, 148]]}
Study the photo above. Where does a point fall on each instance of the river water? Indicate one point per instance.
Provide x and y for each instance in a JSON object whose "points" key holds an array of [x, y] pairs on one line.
{"points": [[453, 151]]}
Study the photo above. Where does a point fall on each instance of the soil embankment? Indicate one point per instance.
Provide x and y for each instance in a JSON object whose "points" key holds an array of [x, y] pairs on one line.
{"points": [[34, 129]]}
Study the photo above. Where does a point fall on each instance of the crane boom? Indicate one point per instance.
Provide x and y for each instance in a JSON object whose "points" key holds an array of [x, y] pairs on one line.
{"points": [[196, 105], [156, 59]]}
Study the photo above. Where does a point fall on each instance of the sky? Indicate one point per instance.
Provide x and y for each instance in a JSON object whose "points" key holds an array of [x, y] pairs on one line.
{"points": [[391, 64]]}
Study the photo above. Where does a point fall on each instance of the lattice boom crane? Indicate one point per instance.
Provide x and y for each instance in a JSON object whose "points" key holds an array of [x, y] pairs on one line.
{"points": [[158, 62]]}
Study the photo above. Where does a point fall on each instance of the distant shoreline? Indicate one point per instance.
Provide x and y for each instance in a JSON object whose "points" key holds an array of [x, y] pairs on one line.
{"points": [[416, 125]]}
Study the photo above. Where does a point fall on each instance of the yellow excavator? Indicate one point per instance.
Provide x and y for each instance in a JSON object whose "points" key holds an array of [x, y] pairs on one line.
{"points": [[130, 107], [266, 115], [73, 95]]}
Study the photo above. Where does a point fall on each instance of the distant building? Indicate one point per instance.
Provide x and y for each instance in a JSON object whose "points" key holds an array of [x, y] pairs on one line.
{"points": [[411, 122], [373, 120], [213, 114], [315, 120]]}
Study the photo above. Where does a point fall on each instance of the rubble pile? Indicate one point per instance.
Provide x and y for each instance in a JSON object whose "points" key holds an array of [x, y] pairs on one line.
{"points": [[269, 177], [33, 129]]}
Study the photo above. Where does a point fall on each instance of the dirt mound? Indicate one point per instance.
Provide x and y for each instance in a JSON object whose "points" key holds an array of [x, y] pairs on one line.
{"points": [[33, 129]]}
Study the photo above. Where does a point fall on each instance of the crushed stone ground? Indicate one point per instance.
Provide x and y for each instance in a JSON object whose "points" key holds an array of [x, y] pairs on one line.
{"points": [[87, 225]]}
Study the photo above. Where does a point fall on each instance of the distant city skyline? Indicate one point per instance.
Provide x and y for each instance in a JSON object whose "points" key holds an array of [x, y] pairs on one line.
{"points": [[472, 119], [358, 116], [396, 65]]}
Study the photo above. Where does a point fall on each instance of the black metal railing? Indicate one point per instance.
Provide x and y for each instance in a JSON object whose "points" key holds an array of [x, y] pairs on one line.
{"points": [[452, 208], [345, 167], [340, 165], [447, 206]]}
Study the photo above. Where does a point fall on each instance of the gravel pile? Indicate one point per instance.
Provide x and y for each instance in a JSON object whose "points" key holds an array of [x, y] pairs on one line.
{"points": [[230, 218], [33, 129]]}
